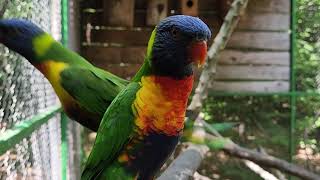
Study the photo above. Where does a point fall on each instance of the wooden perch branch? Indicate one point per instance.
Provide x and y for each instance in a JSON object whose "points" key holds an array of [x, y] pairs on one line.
{"points": [[185, 165], [259, 170]]}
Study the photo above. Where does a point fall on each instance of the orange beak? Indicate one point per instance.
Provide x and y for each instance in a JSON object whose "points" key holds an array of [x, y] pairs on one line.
{"points": [[198, 52]]}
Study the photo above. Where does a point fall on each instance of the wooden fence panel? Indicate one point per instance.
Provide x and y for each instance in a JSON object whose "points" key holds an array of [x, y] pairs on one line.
{"points": [[252, 86], [265, 22], [114, 55], [274, 6], [238, 57], [256, 58], [252, 72], [272, 41]]}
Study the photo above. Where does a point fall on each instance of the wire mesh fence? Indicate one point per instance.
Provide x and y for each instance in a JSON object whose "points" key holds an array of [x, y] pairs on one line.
{"points": [[24, 93]]}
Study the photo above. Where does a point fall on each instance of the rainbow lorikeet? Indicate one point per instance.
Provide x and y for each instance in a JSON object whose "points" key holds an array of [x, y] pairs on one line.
{"points": [[142, 126], [84, 90]]}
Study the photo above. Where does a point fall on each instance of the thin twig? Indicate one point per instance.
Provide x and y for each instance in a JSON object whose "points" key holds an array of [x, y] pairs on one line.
{"points": [[275, 171], [4, 8], [230, 22], [259, 170]]}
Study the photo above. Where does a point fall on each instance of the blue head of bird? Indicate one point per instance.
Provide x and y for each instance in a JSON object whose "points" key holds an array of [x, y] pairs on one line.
{"points": [[18, 35], [178, 42]]}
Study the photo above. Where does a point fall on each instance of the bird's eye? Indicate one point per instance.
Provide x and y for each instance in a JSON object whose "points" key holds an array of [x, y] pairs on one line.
{"points": [[174, 33]]}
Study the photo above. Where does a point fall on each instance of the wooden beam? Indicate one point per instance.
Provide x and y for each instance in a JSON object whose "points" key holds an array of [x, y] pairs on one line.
{"points": [[237, 57], [248, 72], [276, 41], [119, 12], [264, 22], [114, 55], [250, 86], [94, 18], [274, 6], [189, 7], [156, 11], [126, 37]]}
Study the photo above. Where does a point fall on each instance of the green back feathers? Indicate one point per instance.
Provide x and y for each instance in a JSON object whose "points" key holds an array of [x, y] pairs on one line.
{"points": [[114, 132], [46, 48], [92, 88]]}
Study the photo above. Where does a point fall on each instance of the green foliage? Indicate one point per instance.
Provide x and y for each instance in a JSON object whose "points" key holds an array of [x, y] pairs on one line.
{"points": [[307, 65], [18, 8], [264, 121], [308, 47], [308, 68], [308, 16], [308, 122]]}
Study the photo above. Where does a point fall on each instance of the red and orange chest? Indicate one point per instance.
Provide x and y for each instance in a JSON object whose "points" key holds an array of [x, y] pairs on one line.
{"points": [[160, 104], [159, 110]]}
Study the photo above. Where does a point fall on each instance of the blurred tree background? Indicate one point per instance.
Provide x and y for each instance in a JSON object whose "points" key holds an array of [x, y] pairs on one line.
{"points": [[264, 120]]}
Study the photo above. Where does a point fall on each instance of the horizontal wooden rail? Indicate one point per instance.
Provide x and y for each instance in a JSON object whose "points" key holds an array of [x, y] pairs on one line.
{"points": [[23, 129], [296, 93]]}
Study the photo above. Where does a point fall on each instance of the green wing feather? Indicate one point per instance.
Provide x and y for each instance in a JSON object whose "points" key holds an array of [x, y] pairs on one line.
{"points": [[114, 132], [93, 92], [81, 79], [92, 87]]}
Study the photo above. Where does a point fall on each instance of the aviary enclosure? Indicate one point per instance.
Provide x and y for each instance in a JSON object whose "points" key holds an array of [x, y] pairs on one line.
{"points": [[262, 92]]}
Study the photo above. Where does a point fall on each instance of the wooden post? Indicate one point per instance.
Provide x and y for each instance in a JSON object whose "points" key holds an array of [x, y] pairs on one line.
{"points": [[156, 11], [119, 12], [189, 7]]}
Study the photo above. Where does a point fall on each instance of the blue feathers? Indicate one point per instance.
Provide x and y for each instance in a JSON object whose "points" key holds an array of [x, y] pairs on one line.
{"points": [[17, 34], [19, 27], [188, 25]]}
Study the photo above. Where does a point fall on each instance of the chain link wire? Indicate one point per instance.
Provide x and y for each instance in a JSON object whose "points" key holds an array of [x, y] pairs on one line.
{"points": [[24, 92]]}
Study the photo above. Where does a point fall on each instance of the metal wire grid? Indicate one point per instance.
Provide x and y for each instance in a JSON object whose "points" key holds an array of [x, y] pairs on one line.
{"points": [[35, 157], [24, 92]]}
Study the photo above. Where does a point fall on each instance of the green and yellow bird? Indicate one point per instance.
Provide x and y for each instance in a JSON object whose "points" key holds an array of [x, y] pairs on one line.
{"points": [[84, 90], [142, 126]]}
